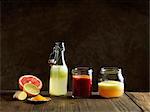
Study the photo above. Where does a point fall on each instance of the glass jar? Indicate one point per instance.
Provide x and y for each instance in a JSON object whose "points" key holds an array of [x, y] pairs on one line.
{"points": [[111, 84], [82, 82]]}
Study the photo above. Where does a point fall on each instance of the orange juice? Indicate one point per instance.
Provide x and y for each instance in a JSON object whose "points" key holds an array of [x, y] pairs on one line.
{"points": [[110, 89]]}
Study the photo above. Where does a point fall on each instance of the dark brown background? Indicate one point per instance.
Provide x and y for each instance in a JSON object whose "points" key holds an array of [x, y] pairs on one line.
{"points": [[96, 34]]}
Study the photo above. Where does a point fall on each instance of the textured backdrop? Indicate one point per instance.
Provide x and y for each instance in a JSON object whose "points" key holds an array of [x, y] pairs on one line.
{"points": [[96, 34]]}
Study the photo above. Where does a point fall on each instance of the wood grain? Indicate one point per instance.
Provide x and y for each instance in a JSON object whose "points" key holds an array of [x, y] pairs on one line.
{"points": [[141, 99], [68, 104]]}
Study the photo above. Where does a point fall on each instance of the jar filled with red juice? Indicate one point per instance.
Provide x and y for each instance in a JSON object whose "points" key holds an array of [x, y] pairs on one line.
{"points": [[81, 82]]}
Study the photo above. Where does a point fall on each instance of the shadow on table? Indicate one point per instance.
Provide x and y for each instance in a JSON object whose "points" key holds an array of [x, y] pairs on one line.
{"points": [[8, 96]]}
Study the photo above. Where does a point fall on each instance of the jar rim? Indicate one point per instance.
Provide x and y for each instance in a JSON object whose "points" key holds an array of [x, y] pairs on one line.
{"points": [[82, 69], [110, 70]]}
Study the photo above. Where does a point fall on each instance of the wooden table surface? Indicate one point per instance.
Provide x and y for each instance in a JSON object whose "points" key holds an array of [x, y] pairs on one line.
{"points": [[129, 102]]}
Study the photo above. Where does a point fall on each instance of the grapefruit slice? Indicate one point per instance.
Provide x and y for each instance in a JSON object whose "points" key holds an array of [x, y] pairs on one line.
{"points": [[31, 89], [29, 79]]}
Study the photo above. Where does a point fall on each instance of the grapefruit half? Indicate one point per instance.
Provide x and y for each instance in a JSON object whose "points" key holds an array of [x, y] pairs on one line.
{"points": [[30, 79]]}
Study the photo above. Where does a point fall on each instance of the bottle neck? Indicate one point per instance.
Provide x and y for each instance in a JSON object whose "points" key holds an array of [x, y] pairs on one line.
{"points": [[60, 58]]}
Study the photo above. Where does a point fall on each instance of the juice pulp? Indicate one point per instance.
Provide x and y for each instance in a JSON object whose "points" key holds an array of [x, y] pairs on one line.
{"points": [[58, 80], [110, 88], [81, 86]]}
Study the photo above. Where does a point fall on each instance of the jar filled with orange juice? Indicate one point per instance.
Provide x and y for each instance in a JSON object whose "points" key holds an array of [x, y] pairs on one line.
{"points": [[111, 84]]}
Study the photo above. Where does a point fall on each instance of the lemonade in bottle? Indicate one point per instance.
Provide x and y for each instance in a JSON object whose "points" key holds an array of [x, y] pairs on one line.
{"points": [[58, 71]]}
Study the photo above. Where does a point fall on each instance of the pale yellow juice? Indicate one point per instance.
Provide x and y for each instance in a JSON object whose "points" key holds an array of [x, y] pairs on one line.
{"points": [[58, 80]]}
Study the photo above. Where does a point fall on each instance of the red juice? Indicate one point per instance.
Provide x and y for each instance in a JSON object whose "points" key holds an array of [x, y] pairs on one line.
{"points": [[81, 86]]}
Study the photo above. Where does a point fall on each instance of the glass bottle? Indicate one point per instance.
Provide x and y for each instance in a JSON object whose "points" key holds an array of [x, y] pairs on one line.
{"points": [[58, 71], [112, 82], [81, 82]]}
